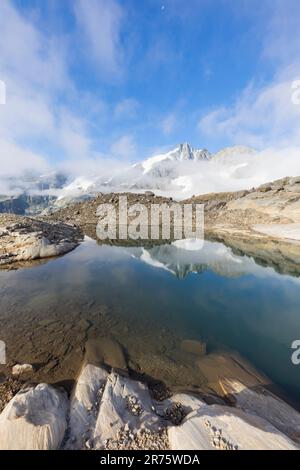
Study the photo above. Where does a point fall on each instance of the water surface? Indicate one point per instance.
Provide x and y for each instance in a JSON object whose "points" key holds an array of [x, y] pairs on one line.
{"points": [[150, 300]]}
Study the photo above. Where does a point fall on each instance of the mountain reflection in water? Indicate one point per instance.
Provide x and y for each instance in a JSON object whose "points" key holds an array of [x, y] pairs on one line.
{"points": [[150, 299]]}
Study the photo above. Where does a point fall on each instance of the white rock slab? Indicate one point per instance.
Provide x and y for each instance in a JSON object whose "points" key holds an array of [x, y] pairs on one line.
{"points": [[84, 405], [266, 405], [221, 427], [35, 418], [114, 414], [189, 402]]}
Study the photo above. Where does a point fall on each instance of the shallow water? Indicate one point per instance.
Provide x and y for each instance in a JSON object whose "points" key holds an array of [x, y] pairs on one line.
{"points": [[150, 299]]}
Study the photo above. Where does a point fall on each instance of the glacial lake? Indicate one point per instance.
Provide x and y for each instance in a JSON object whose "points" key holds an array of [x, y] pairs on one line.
{"points": [[150, 299]]}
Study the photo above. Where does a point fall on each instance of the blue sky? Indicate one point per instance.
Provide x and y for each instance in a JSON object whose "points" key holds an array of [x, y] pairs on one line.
{"points": [[111, 81]]}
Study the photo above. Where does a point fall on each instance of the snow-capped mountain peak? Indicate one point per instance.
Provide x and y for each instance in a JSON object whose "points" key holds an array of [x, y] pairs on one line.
{"points": [[180, 173], [183, 152]]}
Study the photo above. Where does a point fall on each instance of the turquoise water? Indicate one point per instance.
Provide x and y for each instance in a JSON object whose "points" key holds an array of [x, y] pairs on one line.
{"points": [[150, 294]]}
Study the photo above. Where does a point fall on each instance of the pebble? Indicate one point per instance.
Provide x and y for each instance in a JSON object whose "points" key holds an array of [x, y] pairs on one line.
{"points": [[22, 369]]}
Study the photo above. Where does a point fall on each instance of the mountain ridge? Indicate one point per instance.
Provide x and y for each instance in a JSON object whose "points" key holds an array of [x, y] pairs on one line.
{"points": [[179, 172]]}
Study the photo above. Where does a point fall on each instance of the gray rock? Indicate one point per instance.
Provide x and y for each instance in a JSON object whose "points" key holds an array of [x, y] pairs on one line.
{"points": [[85, 401], [115, 414], [36, 418], [25, 239], [212, 427], [266, 405]]}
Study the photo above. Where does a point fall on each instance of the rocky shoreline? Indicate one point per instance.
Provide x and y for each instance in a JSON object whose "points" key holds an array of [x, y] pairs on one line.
{"points": [[26, 239], [263, 223], [108, 409]]}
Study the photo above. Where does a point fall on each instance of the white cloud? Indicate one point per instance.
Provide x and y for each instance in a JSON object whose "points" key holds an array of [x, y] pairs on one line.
{"points": [[27, 54], [264, 115], [16, 161], [73, 135], [168, 124], [261, 117], [35, 71], [100, 21], [93, 167], [126, 108], [124, 147]]}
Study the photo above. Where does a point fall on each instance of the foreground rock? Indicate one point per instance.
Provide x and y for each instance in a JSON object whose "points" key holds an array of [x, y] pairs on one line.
{"points": [[266, 405], [218, 427], [24, 239], [36, 418], [108, 410], [240, 384], [84, 405], [126, 405]]}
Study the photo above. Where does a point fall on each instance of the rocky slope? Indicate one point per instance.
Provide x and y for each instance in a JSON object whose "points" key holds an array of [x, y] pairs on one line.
{"points": [[25, 239], [263, 223], [83, 214], [277, 202], [25, 204]]}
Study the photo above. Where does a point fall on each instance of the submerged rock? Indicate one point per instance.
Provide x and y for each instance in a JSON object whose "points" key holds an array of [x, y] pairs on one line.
{"points": [[194, 347], [22, 369], [105, 351], [216, 366], [36, 418]]}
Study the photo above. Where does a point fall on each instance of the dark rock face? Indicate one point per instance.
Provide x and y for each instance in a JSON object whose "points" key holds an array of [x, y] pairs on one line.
{"points": [[25, 204]]}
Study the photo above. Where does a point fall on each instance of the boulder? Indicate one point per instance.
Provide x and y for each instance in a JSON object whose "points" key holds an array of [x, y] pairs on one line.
{"points": [[35, 419]]}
